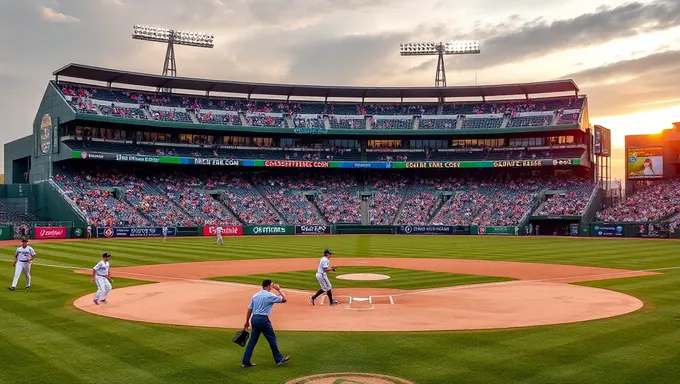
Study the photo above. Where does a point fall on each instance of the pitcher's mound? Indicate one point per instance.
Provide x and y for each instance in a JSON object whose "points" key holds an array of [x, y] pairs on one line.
{"points": [[363, 276]]}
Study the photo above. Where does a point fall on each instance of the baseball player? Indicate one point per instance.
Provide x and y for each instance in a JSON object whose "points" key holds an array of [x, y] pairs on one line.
{"points": [[218, 232], [89, 232], [322, 278], [165, 232], [101, 275], [23, 258]]}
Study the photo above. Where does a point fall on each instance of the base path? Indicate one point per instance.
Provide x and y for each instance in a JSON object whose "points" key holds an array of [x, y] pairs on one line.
{"points": [[540, 296]]}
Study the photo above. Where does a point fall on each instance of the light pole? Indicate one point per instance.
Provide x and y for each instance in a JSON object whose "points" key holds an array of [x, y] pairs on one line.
{"points": [[172, 37], [458, 47]]}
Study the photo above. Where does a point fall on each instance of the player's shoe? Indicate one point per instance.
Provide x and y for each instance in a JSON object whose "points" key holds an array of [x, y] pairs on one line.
{"points": [[28, 288], [283, 360], [12, 288], [311, 299], [105, 301], [335, 302], [248, 365], [95, 301]]}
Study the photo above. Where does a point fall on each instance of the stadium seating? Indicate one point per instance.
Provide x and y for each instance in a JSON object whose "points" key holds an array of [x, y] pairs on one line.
{"points": [[388, 194], [216, 118], [288, 195], [572, 199], [260, 112], [655, 201]]}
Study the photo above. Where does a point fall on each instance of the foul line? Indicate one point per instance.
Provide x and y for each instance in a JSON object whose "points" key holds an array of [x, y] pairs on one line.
{"points": [[423, 291]]}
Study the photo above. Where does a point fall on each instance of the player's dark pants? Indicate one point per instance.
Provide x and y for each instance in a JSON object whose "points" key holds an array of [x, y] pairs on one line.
{"points": [[261, 325]]}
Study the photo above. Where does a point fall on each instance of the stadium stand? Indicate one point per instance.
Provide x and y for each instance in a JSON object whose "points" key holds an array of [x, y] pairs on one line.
{"points": [[654, 201]]}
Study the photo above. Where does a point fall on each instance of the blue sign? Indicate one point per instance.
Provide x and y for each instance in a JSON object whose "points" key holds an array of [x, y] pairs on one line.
{"points": [[608, 230]]}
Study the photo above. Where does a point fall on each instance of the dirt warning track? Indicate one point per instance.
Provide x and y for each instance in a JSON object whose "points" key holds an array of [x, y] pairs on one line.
{"points": [[540, 296]]}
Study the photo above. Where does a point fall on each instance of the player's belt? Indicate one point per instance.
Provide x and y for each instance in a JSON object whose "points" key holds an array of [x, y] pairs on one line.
{"points": [[24, 261], [102, 275]]}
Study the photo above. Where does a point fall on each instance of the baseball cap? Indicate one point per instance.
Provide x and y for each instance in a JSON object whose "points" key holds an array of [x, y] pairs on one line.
{"points": [[106, 254], [327, 252], [24, 240]]}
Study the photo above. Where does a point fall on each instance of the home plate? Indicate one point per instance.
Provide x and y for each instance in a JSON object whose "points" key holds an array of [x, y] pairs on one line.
{"points": [[363, 276]]}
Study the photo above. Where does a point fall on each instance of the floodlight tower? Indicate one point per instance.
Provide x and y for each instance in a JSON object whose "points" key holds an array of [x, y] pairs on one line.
{"points": [[457, 47], [172, 37]]}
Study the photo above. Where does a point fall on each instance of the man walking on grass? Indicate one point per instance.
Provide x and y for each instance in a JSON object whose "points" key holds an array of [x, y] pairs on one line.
{"points": [[258, 313]]}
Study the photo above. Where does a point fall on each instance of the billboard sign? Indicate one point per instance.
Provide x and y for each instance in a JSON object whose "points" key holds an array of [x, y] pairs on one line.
{"points": [[50, 232], [134, 232], [425, 230], [227, 230], [608, 230], [313, 230], [645, 163]]}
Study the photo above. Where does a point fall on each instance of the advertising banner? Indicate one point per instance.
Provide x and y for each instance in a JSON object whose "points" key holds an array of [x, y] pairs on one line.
{"points": [[607, 230], [269, 230], [50, 232], [227, 230], [496, 230], [645, 163], [134, 232], [6, 232], [425, 230], [313, 230], [216, 162]]}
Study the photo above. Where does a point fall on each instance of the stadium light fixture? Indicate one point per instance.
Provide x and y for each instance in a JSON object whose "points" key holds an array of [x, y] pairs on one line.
{"points": [[172, 37], [430, 48]]}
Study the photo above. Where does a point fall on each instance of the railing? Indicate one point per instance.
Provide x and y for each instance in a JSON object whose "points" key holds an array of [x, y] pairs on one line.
{"points": [[70, 202]]}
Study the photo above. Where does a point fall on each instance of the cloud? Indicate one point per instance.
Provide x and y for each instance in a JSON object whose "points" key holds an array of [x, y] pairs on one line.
{"points": [[515, 39], [635, 85], [52, 16]]}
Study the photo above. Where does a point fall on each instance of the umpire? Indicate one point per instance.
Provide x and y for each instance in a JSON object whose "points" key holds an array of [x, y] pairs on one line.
{"points": [[258, 312]]}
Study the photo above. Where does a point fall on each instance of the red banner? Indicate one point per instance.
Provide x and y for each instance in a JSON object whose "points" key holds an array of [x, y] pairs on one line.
{"points": [[50, 232], [230, 230]]}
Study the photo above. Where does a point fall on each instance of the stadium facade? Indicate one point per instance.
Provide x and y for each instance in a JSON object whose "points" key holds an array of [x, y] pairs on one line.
{"points": [[110, 151]]}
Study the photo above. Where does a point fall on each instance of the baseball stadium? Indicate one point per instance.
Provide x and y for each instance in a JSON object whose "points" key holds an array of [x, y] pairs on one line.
{"points": [[474, 233]]}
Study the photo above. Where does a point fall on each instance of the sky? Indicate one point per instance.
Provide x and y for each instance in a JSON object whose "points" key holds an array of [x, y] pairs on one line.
{"points": [[624, 55]]}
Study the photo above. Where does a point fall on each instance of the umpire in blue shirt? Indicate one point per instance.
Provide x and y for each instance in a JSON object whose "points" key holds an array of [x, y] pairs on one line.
{"points": [[258, 312]]}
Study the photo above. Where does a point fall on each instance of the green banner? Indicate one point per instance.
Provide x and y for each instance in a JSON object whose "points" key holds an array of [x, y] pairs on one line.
{"points": [[496, 230], [6, 232], [269, 230]]}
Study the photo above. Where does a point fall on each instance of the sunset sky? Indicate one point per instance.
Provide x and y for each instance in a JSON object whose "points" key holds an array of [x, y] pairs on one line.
{"points": [[624, 55]]}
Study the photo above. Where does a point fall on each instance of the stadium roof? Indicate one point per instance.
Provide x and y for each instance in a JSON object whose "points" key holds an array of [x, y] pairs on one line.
{"points": [[86, 72]]}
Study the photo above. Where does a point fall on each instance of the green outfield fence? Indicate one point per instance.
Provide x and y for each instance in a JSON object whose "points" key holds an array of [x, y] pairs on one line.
{"points": [[67, 229]]}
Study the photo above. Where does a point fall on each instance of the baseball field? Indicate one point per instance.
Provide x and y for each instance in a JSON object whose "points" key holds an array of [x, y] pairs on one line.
{"points": [[454, 310]]}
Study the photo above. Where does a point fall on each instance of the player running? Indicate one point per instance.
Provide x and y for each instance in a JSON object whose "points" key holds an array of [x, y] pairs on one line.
{"points": [[101, 275], [218, 232], [322, 278], [23, 258]]}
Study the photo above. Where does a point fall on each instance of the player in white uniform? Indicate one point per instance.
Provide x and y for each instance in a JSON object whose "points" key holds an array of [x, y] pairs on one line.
{"points": [[23, 258], [165, 232], [322, 278], [89, 232], [101, 275], [218, 232]]}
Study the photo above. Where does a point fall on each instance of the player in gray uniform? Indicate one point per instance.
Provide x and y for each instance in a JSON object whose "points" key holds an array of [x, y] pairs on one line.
{"points": [[322, 278], [23, 258]]}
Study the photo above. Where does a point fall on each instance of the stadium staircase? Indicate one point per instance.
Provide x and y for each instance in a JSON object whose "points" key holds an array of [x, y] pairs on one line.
{"points": [[506, 121], [594, 204], [269, 204], [61, 195], [227, 209], [318, 212], [404, 197], [326, 122], [147, 113], [416, 122], [438, 207], [459, 122], [289, 121], [192, 116]]}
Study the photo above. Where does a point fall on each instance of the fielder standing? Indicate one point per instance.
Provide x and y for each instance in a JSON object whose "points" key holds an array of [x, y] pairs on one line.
{"points": [[322, 278], [218, 232], [101, 275], [23, 258], [165, 232], [89, 232]]}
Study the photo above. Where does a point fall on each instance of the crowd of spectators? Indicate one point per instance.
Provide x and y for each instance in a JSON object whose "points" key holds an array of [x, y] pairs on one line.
{"points": [[571, 200], [388, 194], [244, 200], [338, 198], [654, 201], [424, 198], [288, 195]]}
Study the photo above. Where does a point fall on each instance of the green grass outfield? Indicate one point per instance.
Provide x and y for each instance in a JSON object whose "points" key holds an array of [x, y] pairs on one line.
{"points": [[43, 339], [399, 278]]}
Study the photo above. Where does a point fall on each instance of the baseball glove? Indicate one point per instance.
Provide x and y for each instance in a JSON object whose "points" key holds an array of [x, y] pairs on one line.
{"points": [[241, 337]]}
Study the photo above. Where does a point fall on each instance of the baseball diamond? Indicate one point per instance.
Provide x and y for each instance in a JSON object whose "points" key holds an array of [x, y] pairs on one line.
{"points": [[208, 227]]}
